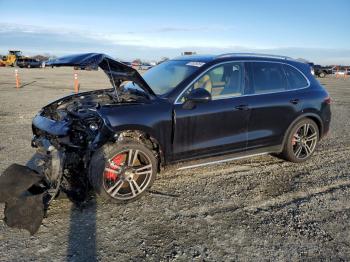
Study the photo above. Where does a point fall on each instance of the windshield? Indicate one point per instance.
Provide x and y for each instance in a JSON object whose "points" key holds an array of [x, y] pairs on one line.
{"points": [[166, 76]]}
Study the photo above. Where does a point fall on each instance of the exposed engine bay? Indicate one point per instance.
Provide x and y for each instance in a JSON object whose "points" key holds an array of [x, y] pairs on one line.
{"points": [[65, 133]]}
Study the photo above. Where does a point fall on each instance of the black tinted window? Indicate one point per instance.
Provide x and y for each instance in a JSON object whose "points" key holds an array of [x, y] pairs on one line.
{"points": [[268, 77], [294, 78]]}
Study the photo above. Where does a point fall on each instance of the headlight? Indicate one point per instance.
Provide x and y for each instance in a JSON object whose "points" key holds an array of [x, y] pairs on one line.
{"points": [[93, 126]]}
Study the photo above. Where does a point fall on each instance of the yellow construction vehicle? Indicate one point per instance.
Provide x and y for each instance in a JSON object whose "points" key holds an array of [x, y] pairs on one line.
{"points": [[10, 59]]}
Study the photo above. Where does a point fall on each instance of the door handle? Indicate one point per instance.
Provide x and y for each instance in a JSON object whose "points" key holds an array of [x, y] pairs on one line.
{"points": [[294, 101], [242, 107]]}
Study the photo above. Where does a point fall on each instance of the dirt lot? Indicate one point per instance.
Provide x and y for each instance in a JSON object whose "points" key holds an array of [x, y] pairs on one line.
{"points": [[257, 209]]}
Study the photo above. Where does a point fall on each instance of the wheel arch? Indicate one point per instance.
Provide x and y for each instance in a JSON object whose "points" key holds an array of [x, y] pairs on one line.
{"points": [[316, 118], [145, 137]]}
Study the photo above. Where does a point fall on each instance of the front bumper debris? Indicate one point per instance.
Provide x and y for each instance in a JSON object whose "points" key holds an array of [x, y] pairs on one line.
{"points": [[25, 201]]}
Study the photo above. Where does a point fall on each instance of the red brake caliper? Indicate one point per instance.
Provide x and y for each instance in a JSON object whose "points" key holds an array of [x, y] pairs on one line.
{"points": [[116, 162], [294, 141]]}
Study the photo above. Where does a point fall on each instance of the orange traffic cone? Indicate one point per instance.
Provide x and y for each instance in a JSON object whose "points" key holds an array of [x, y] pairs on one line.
{"points": [[76, 83], [17, 79]]}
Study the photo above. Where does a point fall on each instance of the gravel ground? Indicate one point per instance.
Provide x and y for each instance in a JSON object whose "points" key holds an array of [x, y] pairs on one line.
{"points": [[257, 209]]}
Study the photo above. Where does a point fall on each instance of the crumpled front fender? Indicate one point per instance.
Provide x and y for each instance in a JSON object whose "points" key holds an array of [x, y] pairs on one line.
{"points": [[57, 128]]}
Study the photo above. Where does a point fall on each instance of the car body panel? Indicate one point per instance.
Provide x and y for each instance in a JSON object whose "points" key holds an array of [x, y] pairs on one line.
{"points": [[218, 127], [212, 127], [269, 118], [56, 128], [115, 70], [153, 118]]}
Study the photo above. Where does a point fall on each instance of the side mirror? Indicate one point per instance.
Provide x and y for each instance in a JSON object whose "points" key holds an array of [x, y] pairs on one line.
{"points": [[199, 95]]}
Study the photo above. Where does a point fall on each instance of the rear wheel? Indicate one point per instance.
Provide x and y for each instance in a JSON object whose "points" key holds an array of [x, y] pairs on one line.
{"points": [[123, 172], [301, 141]]}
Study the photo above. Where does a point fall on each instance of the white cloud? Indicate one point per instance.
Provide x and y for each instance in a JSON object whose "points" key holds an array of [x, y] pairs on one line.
{"points": [[154, 43], [155, 38]]}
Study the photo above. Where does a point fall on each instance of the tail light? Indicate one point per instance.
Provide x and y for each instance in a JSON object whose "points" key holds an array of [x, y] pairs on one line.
{"points": [[328, 100]]}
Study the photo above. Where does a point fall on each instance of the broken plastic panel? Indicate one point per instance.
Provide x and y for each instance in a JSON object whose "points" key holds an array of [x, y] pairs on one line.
{"points": [[25, 201]]}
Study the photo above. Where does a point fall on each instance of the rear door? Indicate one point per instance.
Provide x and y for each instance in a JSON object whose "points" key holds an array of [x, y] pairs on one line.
{"points": [[218, 125], [274, 104]]}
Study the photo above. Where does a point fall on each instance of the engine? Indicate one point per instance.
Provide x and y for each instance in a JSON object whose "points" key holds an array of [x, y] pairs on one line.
{"points": [[65, 134]]}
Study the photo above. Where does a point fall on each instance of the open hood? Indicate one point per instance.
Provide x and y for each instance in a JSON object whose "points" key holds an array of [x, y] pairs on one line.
{"points": [[116, 71]]}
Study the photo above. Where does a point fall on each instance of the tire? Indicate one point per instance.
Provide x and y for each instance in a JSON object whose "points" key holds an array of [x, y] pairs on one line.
{"points": [[301, 141], [322, 74], [115, 168]]}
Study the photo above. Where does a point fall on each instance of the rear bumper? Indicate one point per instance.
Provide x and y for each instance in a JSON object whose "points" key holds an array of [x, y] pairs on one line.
{"points": [[326, 128], [326, 120]]}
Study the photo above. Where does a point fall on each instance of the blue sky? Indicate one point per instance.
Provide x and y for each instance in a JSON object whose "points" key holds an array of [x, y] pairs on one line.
{"points": [[314, 30]]}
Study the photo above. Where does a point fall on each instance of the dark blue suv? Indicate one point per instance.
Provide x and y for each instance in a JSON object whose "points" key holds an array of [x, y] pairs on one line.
{"points": [[205, 108], [29, 63]]}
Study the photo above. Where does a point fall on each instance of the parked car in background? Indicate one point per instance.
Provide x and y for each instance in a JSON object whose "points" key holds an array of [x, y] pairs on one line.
{"points": [[145, 66], [136, 63], [126, 63], [86, 67], [321, 71], [163, 59], [341, 70], [29, 63], [318, 70]]}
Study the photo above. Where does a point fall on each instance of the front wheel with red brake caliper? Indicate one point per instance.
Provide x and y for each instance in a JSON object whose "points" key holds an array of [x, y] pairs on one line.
{"points": [[122, 172]]}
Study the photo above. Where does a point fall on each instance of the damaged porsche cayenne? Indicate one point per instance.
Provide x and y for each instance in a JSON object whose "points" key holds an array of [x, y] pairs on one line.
{"points": [[207, 109]]}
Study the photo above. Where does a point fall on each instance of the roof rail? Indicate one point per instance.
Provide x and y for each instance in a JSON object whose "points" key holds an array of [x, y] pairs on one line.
{"points": [[254, 54]]}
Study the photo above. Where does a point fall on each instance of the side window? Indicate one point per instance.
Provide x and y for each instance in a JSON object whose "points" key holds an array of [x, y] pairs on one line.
{"points": [[222, 81], [268, 77], [295, 79]]}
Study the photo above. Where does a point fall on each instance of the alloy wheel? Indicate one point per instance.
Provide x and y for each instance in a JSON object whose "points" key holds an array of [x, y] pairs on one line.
{"points": [[304, 141], [127, 174]]}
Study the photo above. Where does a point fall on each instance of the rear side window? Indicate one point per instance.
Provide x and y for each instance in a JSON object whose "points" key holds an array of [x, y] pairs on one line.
{"points": [[268, 77], [295, 79]]}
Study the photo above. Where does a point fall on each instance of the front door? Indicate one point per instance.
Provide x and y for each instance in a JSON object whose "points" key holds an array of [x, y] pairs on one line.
{"points": [[216, 126]]}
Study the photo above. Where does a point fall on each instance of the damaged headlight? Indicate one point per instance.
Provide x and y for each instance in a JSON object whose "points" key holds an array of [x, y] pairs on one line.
{"points": [[93, 126]]}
